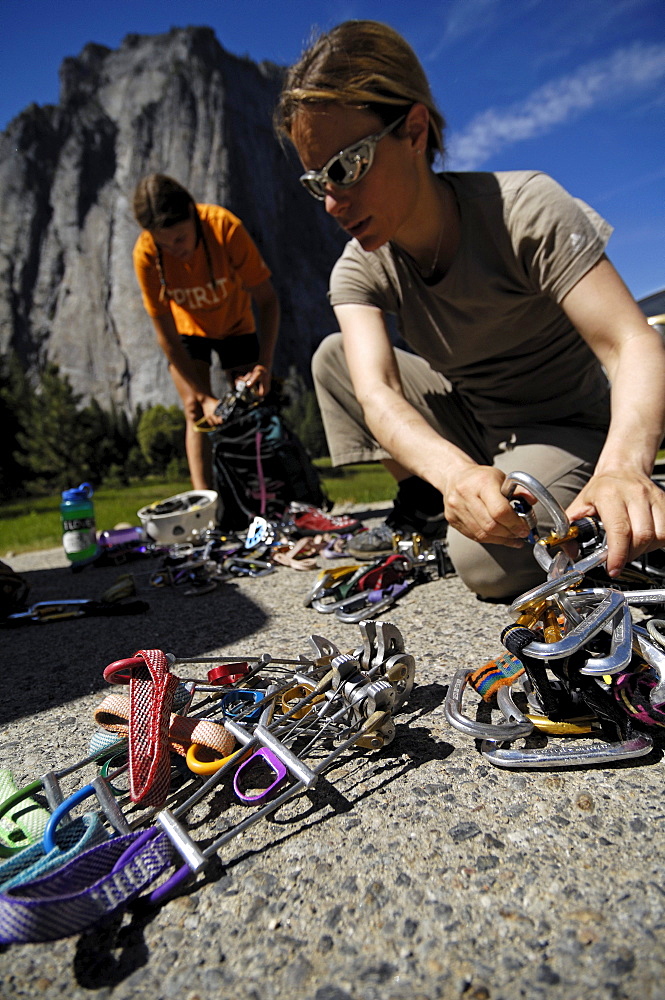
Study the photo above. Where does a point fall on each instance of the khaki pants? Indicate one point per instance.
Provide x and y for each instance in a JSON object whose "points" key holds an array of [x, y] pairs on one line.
{"points": [[561, 456]]}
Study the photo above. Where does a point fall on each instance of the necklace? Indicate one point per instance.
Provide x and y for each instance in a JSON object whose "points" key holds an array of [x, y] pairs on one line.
{"points": [[435, 259], [427, 275]]}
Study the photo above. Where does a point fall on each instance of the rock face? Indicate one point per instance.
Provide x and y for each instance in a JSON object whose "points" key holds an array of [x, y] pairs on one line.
{"points": [[176, 103]]}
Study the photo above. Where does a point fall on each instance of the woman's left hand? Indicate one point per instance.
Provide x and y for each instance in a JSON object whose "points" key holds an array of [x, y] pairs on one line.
{"points": [[632, 509], [258, 379]]}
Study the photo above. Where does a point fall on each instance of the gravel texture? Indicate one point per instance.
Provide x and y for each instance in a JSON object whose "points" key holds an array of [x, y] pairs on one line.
{"points": [[416, 872]]}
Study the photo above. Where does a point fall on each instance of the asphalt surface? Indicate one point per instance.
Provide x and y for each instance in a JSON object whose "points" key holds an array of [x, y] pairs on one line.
{"points": [[416, 871]]}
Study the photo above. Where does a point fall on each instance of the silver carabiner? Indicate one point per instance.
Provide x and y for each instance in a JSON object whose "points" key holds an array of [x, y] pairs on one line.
{"points": [[547, 589], [559, 755], [552, 506], [516, 725], [621, 648], [355, 609], [581, 633]]}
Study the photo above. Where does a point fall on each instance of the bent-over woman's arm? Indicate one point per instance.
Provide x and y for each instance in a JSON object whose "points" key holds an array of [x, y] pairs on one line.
{"points": [[169, 341], [266, 305]]}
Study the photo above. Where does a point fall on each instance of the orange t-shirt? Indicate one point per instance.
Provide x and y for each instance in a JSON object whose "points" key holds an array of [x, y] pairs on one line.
{"points": [[200, 306]]}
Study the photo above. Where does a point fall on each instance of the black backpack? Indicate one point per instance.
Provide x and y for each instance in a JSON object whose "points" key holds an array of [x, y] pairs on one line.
{"points": [[259, 464]]}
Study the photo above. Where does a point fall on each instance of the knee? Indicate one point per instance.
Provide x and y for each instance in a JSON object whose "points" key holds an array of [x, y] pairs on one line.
{"points": [[192, 409], [327, 358], [494, 572]]}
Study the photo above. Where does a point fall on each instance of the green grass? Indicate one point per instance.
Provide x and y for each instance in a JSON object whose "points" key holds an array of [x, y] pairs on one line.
{"points": [[366, 483], [34, 523]]}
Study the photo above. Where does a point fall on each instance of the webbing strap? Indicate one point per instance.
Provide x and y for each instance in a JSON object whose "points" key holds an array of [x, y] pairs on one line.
{"points": [[22, 824], [393, 569], [70, 838], [112, 714], [86, 889], [151, 691], [259, 472], [497, 673]]}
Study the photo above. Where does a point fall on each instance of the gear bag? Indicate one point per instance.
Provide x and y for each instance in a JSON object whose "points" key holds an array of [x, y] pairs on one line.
{"points": [[259, 465]]}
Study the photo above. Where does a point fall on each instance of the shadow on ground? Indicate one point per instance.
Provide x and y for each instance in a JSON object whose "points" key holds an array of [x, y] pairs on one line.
{"points": [[50, 663]]}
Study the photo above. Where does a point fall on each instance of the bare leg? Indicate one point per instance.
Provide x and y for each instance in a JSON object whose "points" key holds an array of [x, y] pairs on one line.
{"points": [[196, 444]]}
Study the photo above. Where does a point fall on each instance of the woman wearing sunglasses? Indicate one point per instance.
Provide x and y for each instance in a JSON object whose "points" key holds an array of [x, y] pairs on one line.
{"points": [[200, 274], [501, 288]]}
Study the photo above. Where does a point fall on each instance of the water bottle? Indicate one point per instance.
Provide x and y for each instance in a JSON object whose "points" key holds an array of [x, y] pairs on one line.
{"points": [[77, 514]]}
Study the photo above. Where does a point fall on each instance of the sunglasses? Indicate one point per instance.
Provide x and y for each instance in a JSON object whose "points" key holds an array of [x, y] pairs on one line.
{"points": [[347, 167]]}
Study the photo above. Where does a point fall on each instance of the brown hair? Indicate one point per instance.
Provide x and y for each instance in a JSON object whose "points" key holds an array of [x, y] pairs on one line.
{"points": [[160, 202], [360, 63]]}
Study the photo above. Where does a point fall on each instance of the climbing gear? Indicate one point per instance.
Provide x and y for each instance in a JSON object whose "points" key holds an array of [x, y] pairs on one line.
{"points": [[291, 719], [577, 666], [353, 593], [22, 823], [259, 464], [76, 607]]}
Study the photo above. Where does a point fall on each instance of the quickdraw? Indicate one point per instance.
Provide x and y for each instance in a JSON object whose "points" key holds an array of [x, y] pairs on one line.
{"points": [[354, 593]]}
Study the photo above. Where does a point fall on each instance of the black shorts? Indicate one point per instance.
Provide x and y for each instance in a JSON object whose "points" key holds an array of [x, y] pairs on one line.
{"points": [[233, 352]]}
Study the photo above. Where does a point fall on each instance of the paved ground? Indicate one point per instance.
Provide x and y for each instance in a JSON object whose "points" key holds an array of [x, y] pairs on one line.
{"points": [[420, 871]]}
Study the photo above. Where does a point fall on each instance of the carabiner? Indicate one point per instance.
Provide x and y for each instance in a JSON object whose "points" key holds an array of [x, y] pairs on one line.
{"points": [[516, 724], [566, 756], [576, 638], [621, 649], [371, 602], [244, 566], [551, 505]]}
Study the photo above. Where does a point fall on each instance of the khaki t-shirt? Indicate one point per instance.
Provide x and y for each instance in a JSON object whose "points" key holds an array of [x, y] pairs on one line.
{"points": [[201, 306], [493, 324]]}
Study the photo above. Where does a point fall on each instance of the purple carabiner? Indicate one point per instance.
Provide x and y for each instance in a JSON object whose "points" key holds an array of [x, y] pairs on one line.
{"points": [[275, 765]]}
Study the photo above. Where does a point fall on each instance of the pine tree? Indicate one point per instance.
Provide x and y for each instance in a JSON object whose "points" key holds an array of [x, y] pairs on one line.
{"points": [[53, 444], [161, 436], [15, 402]]}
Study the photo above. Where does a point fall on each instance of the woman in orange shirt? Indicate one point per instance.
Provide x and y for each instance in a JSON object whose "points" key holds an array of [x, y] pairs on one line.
{"points": [[200, 275]]}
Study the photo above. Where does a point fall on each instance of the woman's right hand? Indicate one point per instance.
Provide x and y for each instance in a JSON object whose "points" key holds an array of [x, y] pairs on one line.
{"points": [[476, 507], [209, 404]]}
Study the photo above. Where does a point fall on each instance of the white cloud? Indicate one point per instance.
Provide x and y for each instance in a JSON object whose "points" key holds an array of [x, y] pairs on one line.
{"points": [[465, 16], [556, 102]]}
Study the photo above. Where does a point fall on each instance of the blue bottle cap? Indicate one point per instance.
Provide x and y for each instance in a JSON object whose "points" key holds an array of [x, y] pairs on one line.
{"points": [[82, 492]]}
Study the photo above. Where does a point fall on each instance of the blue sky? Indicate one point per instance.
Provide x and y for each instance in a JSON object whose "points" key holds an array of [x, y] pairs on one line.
{"points": [[572, 87]]}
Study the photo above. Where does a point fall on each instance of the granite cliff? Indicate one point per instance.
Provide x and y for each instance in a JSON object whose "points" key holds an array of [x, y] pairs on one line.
{"points": [[177, 103]]}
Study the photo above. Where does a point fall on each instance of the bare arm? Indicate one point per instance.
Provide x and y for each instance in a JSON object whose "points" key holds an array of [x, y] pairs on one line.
{"points": [[620, 492], [169, 341], [267, 308], [472, 493]]}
